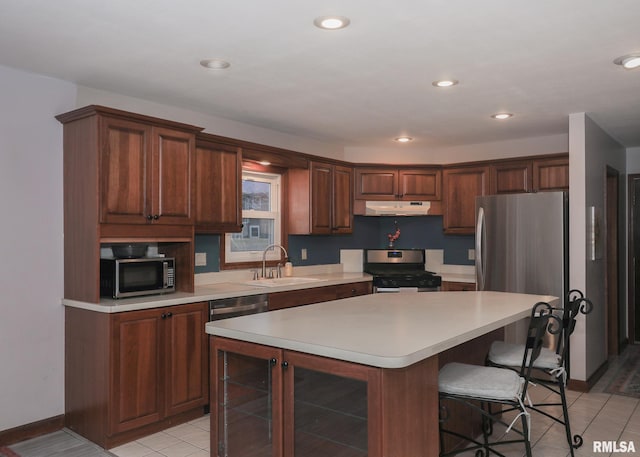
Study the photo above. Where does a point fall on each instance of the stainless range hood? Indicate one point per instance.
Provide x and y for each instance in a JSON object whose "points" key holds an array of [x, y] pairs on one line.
{"points": [[396, 208]]}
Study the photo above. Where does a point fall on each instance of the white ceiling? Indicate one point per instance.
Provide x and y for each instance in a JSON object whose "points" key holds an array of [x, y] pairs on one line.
{"points": [[361, 86]]}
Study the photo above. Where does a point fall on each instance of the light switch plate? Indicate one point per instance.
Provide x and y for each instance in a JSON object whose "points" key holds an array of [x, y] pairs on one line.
{"points": [[201, 259], [472, 254], [303, 254]]}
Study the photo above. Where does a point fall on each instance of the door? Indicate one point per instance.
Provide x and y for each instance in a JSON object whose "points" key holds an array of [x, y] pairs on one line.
{"points": [[246, 412], [172, 175], [634, 258], [461, 186], [125, 165], [137, 379], [321, 194], [342, 195], [218, 188], [186, 357], [521, 243], [376, 184], [613, 302], [331, 407], [419, 184]]}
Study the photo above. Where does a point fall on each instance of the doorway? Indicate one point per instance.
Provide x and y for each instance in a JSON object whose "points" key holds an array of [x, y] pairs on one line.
{"points": [[612, 256], [634, 258]]}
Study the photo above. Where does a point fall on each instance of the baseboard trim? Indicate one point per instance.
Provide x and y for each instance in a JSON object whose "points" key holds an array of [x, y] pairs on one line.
{"points": [[586, 386], [32, 430]]}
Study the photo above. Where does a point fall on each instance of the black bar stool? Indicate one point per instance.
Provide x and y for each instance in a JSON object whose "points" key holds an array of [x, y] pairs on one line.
{"points": [[478, 387], [551, 368]]}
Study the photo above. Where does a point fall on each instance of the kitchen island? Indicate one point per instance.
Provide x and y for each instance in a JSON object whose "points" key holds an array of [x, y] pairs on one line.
{"points": [[352, 377]]}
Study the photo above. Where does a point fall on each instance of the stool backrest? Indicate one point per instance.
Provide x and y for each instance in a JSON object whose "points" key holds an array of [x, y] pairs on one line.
{"points": [[542, 320], [576, 304]]}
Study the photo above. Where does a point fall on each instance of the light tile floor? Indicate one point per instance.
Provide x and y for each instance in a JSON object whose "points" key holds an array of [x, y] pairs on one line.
{"points": [[596, 415]]}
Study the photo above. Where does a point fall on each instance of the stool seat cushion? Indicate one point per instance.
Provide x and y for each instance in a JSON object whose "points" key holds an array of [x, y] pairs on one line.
{"points": [[510, 355], [478, 381]]}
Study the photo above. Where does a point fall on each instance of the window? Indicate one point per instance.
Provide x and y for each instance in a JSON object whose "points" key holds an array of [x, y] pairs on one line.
{"points": [[260, 218]]}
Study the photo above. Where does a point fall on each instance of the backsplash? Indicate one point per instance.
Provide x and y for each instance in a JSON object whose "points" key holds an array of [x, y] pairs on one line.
{"points": [[422, 232]]}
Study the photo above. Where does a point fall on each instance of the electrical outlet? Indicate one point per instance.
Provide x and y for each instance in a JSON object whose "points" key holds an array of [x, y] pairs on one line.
{"points": [[472, 254], [201, 259], [303, 254]]}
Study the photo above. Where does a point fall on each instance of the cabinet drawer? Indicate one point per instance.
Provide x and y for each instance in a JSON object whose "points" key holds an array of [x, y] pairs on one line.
{"points": [[353, 289]]}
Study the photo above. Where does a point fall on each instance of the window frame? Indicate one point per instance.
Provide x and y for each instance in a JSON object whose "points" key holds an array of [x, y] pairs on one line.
{"points": [[274, 256]]}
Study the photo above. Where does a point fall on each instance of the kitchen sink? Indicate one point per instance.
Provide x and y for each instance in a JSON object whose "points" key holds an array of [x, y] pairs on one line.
{"points": [[275, 282]]}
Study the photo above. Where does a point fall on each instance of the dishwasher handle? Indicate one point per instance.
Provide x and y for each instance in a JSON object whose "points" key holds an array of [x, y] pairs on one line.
{"points": [[238, 306], [237, 309]]}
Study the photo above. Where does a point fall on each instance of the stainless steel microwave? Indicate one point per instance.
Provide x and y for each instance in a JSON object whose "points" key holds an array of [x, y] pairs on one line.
{"points": [[121, 278]]}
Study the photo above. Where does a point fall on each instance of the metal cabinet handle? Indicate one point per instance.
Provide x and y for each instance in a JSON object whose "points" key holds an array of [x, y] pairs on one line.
{"points": [[285, 364]]}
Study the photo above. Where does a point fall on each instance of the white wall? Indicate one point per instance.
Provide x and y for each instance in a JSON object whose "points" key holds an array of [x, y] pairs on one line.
{"points": [[633, 160], [31, 277], [417, 154], [591, 150], [211, 124]]}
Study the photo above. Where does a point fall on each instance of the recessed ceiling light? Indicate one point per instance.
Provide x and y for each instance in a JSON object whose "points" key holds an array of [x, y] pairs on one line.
{"points": [[266, 163], [215, 64], [445, 83], [630, 61], [501, 116], [331, 22], [403, 139]]}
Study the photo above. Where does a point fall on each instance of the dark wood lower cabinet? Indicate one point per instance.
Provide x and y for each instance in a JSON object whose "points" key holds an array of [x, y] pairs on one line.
{"points": [[290, 298], [454, 286], [271, 402], [133, 373]]}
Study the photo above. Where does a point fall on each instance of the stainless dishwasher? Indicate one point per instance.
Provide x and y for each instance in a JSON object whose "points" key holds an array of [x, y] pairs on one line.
{"points": [[225, 308]]}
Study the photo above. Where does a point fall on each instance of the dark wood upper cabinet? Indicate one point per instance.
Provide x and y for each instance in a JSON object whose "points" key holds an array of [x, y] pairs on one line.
{"points": [[461, 186], [551, 174], [373, 183], [320, 199], [511, 177], [218, 186], [127, 178], [147, 173]]}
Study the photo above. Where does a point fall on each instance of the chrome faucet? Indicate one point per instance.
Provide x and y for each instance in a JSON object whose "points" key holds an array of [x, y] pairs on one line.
{"points": [[264, 257]]}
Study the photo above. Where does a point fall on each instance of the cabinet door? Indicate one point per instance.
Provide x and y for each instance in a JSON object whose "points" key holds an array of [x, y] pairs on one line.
{"points": [[353, 290], [172, 176], [218, 188], [125, 165], [321, 193], [454, 286], [330, 407], [461, 187], [246, 403], [551, 174], [186, 357], [342, 192], [420, 184], [136, 376], [376, 184], [511, 177]]}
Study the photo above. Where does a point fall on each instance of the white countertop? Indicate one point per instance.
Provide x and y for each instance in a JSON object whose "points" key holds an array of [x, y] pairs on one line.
{"points": [[206, 292], [383, 330]]}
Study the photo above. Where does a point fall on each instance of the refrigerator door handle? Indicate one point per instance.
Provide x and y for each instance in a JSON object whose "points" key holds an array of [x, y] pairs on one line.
{"points": [[479, 245]]}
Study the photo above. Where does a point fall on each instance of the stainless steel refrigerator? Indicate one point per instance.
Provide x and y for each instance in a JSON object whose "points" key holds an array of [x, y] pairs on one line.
{"points": [[522, 243]]}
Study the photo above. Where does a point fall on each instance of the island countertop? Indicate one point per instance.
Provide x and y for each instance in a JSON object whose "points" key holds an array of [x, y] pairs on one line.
{"points": [[382, 330]]}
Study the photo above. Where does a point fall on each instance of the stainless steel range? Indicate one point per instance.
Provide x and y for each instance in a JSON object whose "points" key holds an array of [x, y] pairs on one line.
{"points": [[399, 270]]}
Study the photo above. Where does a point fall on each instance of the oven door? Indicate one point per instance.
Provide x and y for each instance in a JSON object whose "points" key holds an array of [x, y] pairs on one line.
{"points": [[381, 290]]}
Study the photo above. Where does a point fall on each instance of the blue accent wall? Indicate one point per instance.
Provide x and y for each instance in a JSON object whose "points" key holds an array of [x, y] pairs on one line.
{"points": [[422, 232]]}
